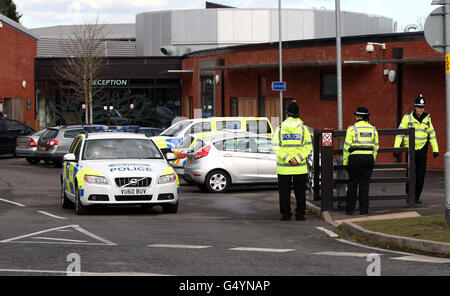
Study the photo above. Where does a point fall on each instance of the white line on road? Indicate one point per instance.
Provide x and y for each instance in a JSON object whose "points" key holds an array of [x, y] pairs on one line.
{"points": [[420, 258], [51, 215], [178, 246], [76, 227], [85, 273], [60, 239], [329, 232], [12, 202], [344, 254], [261, 250]]}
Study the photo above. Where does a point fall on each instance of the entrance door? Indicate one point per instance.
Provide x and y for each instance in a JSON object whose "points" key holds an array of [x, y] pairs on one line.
{"points": [[208, 102]]}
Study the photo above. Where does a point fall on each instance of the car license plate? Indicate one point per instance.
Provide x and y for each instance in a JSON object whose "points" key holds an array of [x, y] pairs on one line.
{"points": [[133, 191], [23, 145], [42, 148], [188, 160]]}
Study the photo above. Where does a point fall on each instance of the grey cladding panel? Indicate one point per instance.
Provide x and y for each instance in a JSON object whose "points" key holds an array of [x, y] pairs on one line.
{"points": [[194, 26], [155, 33]]}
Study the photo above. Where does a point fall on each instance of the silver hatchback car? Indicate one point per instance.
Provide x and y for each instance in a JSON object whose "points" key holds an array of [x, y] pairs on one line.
{"points": [[55, 143], [27, 146], [231, 159]]}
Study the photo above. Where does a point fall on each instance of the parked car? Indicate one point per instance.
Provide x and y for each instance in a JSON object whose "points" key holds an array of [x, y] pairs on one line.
{"points": [[173, 135], [55, 142], [27, 146], [188, 143], [231, 159], [10, 129], [150, 131]]}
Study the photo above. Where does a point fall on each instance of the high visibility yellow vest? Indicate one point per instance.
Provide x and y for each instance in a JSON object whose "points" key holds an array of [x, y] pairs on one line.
{"points": [[424, 131], [361, 138], [292, 140]]}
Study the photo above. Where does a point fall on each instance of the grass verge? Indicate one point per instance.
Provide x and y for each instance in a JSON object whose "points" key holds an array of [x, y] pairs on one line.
{"points": [[427, 228]]}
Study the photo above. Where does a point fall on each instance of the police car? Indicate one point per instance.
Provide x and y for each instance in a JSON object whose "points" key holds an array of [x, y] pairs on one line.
{"points": [[117, 168]]}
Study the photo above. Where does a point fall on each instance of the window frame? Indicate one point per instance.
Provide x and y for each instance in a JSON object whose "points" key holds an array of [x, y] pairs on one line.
{"points": [[323, 76]]}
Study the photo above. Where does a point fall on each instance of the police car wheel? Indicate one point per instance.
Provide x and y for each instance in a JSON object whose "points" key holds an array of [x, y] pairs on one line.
{"points": [[65, 203], [217, 181], [79, 208], [170, 208]]}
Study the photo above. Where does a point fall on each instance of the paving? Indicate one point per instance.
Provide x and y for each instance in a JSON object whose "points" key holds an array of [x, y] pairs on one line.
{"points": [[433, 203]]}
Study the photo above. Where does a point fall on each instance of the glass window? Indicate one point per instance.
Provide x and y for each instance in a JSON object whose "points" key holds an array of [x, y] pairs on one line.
{"points": [[121, 149], [237, 145], [12, 125], [77, 149], [219, 145], [198, 144], [73, 145], [39, 133], [328, 86], [72, 133], [263, 145], [258, 126], [186, 142], [228, 124], [50, 134], [175, 129], [234, 110], [200, 127]]}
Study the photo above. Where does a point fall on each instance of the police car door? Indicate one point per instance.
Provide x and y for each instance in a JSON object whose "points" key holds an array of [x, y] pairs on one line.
{"points": [[240, 160], [70, 167]]}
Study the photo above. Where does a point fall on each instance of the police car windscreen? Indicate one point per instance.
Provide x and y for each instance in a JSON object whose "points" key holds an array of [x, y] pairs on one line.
{"points": [[173, 130], [120, 149]]}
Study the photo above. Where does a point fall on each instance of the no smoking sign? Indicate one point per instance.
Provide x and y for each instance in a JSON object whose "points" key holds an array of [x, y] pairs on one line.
{"points": [[327, 139]]}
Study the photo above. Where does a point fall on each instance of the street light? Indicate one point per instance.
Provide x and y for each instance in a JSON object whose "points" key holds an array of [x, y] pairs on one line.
{"points": [[280, 58]]}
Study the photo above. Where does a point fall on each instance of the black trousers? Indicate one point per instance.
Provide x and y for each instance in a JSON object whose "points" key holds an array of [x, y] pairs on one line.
{"points": [[284, 188], [421, 168], [360, 168]]}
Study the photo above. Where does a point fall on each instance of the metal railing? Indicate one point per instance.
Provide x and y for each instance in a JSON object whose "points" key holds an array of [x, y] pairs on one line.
{"points": [[324, 167]]}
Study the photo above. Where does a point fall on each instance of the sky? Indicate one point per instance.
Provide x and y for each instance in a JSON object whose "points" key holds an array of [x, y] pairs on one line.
{"points": [[43, 13]]}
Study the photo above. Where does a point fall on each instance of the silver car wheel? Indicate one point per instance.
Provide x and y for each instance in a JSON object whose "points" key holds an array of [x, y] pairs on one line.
{"points": [[218, 182]]}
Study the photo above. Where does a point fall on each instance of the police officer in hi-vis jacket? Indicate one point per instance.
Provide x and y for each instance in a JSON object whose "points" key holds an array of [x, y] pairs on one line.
{"points": [[360, 151], [292, 143], [424, 134]]}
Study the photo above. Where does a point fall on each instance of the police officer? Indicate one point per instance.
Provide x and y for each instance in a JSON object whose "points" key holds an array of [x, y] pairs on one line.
{"points": [[424, 134], [360, 151], [292, 143]]}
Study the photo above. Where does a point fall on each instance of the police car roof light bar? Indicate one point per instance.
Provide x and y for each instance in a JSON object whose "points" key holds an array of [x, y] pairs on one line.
{"points": [[124, 128]]}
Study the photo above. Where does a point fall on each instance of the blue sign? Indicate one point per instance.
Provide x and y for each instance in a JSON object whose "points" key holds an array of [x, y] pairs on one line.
{"points": [[279, 85]]}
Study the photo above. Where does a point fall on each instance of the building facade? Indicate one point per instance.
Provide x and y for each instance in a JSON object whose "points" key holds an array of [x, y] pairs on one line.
{"points": [[143, 55], [237, 81], [134, 90], [18, 46]]}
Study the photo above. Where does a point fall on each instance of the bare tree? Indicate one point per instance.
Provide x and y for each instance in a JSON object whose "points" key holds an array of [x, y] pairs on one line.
{"points": [[419, 25], [84, 61]]}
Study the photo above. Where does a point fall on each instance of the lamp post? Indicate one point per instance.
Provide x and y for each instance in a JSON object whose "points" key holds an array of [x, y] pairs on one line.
{"points": [[340, 188], [280, 58], [338, 63]]}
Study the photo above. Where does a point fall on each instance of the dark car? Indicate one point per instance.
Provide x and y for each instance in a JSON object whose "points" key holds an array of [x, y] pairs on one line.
{"points": [[10, 129]]}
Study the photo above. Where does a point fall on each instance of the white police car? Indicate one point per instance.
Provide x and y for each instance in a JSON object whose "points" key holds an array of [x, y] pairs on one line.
{"points": [[117, 168]]}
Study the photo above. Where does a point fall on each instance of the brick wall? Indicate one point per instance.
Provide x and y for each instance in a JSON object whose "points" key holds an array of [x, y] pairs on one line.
{"points": [[16, 65], [363, 84]]}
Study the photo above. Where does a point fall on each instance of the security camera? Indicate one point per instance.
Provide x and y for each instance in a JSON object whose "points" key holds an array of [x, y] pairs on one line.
{"points": [[168, 50], [369, 48]]}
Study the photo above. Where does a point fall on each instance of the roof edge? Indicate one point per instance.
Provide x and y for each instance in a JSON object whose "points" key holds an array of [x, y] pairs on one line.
{"points": [[15, 25]]}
